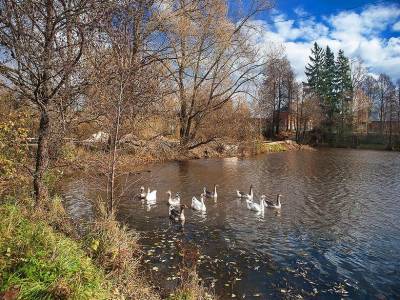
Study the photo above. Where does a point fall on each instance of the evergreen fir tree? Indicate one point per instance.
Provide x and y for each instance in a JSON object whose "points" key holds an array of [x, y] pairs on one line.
{"points": [[329, 98], [314, 69], [344, 88], [329, 84]]}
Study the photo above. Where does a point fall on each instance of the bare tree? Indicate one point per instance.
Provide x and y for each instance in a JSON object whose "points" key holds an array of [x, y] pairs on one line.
{"points": [[210, 55], [277, 88], [125, 76], [391, 112], [362, 95], [42, 44], [384, 90]]}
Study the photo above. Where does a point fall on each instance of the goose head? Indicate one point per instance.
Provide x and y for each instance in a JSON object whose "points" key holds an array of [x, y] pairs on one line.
{"points": [[278, 199], [142, 189], [262, 199], [169, 193]]}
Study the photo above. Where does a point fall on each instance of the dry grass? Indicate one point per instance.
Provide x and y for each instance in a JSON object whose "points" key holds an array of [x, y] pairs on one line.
{"points": [[191, 288], [116, 250]]}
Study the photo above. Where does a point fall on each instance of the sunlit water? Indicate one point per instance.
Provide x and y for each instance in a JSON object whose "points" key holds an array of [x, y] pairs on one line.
{"points": [[337, 234]]}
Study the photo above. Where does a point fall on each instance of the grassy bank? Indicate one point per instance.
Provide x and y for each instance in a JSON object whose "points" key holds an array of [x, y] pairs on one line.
{"points": [[36, 262], [42, 258]]}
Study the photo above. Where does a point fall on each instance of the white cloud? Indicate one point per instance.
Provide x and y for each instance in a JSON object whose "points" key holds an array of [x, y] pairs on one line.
{"points": [[358, 34], [300, 11], [396, 26]]}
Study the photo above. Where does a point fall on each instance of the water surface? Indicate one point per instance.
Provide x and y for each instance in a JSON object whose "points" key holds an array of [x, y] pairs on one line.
{"points": [[337, 234]]}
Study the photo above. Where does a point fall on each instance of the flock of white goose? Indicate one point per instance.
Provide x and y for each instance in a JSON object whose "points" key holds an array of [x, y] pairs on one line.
{"points": [[176, 209]]}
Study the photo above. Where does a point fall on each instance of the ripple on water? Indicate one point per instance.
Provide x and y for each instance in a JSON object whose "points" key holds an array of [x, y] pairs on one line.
{"points": [[337, 235]]}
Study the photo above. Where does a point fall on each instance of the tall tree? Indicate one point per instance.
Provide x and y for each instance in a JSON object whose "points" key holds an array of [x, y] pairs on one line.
{"points": [[329, 98], [211, 60], [125, 77], [343, 88], [277, 89], [384, 90], [42, 44], [314, 69]]}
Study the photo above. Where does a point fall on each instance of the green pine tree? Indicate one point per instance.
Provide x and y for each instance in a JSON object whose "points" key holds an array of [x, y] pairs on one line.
{"points": [[314, 69], [344, 90], [329, 98]]}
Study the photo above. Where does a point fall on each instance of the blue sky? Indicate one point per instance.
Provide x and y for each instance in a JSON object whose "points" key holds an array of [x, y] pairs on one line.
{"points": [[367, 30]]}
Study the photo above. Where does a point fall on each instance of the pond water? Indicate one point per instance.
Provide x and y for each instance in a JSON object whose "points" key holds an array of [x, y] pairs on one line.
{"points": [[337, 234]]}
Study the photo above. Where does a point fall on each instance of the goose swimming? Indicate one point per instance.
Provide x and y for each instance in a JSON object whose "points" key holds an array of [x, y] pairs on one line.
{"points": [[176, 214], [209, 194], [276, 205], [259, 207], [151, 197], [198, 205], [246, 196], [174, 201]]}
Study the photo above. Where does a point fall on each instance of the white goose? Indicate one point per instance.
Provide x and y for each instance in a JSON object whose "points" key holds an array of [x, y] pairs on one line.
{"points": [[209, 194], [255, 206], [198, 205], [151, 197], [276, 205], [246, 196], [173, 201]]}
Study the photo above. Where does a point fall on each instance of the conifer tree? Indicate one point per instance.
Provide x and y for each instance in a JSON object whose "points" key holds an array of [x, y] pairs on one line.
{"points": [[344, 88], [314, 69], [329, 98]]}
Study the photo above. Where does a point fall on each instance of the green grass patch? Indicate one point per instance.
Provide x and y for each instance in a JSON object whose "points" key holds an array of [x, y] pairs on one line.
{"points": [[270, 147], [40, 263]]}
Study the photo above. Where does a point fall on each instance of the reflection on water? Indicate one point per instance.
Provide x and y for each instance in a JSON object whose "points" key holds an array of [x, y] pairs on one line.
{"points": [[337, 234]]}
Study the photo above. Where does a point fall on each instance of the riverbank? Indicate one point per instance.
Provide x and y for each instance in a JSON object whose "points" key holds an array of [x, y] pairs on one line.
{"points": [[135, 157], [42, 256], [108, 253], [38, 262]]}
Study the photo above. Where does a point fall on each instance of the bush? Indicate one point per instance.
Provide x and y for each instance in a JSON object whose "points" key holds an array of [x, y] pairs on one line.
{"points": [[38, 263], [13, 153]]}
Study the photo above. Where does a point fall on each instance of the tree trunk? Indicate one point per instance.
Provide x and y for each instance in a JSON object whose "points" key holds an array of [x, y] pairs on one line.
{"points": [[184, 132], [42, 160], [278, 111], [390, 146], [113, 155]]}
